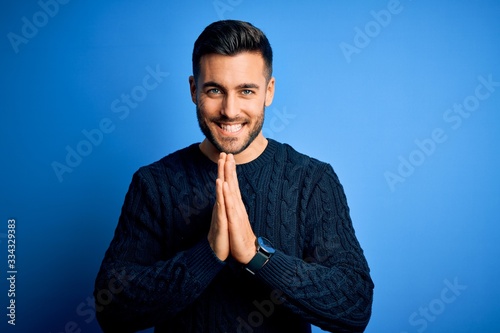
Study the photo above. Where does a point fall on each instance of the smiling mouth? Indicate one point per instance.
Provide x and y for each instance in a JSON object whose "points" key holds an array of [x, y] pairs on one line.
{"points": [[231, 128]]}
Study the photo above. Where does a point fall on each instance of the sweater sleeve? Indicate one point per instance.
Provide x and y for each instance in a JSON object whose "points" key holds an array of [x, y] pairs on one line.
{"points": [[138, 285], [330, 286]]}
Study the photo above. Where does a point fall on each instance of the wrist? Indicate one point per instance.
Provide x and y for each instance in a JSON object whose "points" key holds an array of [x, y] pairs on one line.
{"points": [[252, 250], [263, 253]]}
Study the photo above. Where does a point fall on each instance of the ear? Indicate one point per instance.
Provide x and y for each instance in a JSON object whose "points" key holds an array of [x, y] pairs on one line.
{"points": [[270, 91], [192, 88]]}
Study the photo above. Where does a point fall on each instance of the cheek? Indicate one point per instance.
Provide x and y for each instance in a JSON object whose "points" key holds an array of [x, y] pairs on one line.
{"points": [[209, 105], [255, 108], [252, 106]]}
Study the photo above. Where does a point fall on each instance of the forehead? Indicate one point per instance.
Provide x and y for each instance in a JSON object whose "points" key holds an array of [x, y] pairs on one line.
{"points": [[243, 67]]}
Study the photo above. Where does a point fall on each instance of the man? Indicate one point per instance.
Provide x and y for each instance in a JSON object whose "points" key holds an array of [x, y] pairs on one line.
{"points": [[238, 233]]}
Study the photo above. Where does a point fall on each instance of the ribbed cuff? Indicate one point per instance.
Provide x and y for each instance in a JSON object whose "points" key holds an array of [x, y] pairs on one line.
{"points": [[203, 264], [279, 271]]}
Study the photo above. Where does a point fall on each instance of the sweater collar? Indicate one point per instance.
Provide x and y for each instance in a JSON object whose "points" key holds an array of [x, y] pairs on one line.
{"points": [[258, 163]]}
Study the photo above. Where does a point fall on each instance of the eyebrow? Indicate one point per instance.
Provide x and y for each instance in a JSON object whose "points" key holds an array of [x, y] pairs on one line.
{"points": [[240, 86]]}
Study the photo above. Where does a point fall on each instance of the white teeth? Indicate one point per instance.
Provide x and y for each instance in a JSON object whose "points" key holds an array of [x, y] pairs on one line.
{"points": [[231, 128]]}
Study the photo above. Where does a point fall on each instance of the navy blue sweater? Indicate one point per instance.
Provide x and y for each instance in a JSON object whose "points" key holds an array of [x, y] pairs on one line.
{"points": [[160, 271]]}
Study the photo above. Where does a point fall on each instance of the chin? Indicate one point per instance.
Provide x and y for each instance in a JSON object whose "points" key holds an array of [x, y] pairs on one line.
{"points": [[231, 148]]}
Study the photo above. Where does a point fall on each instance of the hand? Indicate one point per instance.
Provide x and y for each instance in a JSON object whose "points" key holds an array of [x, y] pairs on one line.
{"points": [[241, 236], [218, 235], [230, 230]]}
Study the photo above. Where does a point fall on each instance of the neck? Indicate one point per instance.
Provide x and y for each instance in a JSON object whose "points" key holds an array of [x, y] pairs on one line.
{"points": [[254, 150]]}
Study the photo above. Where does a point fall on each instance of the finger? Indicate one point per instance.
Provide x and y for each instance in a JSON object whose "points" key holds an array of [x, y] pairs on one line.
{"points": [[219, 201], [218, 235], [231, 175], [231, 205], [236, 213], [220, 166], [241, 236]]}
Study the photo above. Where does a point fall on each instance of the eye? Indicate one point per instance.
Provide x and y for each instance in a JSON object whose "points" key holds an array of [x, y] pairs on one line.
{"points": [[247, 92], [214, 91]]}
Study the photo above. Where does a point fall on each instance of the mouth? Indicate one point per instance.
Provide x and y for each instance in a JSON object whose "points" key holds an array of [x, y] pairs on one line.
{"points": [[231, 128]]}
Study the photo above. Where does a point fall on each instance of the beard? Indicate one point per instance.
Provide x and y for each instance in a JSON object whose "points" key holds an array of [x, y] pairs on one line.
{"points": [[230, 145]]}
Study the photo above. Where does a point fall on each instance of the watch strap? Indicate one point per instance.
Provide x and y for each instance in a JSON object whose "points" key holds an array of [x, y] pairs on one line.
{"points": [[257, 262]]}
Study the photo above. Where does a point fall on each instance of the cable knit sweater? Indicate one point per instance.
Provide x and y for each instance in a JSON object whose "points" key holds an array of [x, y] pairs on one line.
{"points": [[160, 270]]}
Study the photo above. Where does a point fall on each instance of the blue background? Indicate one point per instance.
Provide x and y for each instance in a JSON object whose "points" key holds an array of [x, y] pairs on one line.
{"points": [[426, 212]]}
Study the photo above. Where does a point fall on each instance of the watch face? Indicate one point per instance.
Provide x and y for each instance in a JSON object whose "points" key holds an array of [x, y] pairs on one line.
{"points": [[266, 245]]}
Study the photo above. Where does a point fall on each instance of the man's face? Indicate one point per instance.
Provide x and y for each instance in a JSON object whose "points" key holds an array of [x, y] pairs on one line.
{"points": [[231, 94]]}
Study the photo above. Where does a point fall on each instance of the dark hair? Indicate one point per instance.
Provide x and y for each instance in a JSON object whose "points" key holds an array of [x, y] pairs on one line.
{"points": [[230, 37]]}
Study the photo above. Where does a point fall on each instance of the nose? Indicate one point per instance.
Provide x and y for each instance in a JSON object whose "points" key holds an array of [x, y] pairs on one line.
{"points": [[230, 107]]}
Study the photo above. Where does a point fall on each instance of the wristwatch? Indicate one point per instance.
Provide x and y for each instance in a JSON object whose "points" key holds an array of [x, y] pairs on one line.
{"points": [[265, 251]]}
